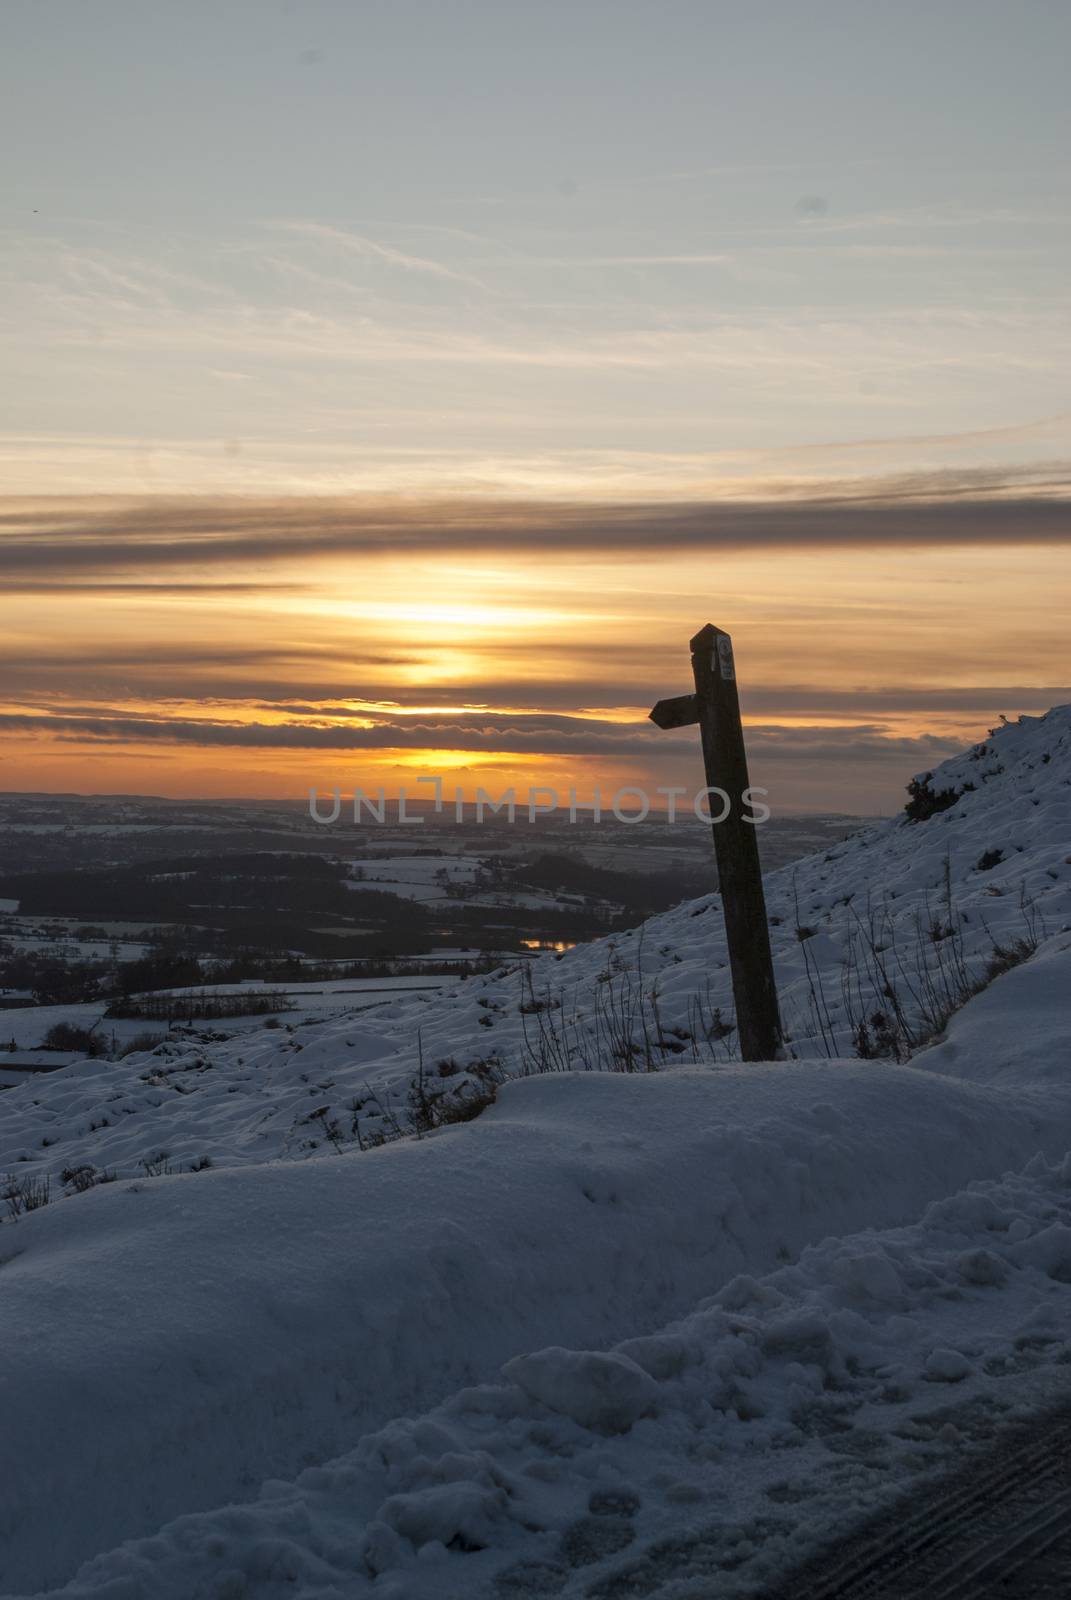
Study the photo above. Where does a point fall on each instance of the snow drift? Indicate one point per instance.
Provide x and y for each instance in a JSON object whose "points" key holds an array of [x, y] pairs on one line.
{"points": [[711, 1455]]}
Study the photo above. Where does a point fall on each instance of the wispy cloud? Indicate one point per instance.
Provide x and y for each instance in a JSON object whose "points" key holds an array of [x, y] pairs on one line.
{"points": [[366, 249], [936, 509]]}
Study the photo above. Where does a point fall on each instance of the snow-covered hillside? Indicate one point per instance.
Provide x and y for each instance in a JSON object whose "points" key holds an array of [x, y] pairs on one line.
{"points": [[700, 1461], [175, 1338], [875, 942]]}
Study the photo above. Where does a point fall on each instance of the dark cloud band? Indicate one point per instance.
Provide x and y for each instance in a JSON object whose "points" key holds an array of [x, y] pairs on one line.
{"points": [[175, 534], [576, 738]]}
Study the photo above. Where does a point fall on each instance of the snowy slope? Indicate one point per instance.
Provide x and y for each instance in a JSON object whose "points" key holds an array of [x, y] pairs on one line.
{"points": [[911, 908], [170, 1343], [707, 1458], [173, 1341]]}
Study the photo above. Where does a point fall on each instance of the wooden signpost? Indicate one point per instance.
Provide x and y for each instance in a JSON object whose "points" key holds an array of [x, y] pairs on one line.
{"points": [[715, 706]]}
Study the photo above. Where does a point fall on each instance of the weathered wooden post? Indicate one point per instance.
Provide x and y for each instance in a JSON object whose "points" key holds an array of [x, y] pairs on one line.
{"points": [[715, 705]]}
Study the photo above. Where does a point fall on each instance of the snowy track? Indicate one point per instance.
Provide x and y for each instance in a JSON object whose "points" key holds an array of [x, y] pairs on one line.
{"points": [[1001, 1528]]}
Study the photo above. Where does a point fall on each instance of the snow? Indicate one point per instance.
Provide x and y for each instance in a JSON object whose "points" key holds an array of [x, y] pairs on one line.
{"points": [[426, 879], [338, 996], [622, 1314], [605, 1392], [265, 1316], [422, 878], [77, 949], [946, 1366], [719, 1448], [26, 1027]]}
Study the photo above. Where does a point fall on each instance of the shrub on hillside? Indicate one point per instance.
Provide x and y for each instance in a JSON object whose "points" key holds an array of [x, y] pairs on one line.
{"points": [[927, 802], [68, 1036]]}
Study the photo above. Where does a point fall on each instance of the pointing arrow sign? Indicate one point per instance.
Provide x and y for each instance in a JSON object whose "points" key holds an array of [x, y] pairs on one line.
{"points": [[680, 712]]}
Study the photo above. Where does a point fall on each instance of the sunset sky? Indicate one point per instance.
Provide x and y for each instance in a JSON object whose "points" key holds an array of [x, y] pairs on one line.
{"points": [[394, 386]]}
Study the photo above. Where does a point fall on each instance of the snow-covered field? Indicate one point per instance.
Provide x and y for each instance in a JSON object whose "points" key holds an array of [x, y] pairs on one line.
{"points": [[730, 1362], [75, 949], [423, 878], [26, 1026], [428, 879]]}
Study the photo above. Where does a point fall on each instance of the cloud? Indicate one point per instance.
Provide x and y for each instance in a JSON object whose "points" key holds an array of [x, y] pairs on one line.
{"points": [[527, 695], [210, 653], [132, 536], [371, 250], [55, 585], [534, 735], [578, 738], [784, 699]]}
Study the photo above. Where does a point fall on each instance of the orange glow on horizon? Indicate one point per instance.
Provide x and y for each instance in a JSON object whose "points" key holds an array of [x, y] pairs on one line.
{"points": [[526, 670]]}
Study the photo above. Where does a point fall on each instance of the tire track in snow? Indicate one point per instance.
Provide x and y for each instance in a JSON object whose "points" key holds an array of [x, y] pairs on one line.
{"points": [[1003, 1527]]}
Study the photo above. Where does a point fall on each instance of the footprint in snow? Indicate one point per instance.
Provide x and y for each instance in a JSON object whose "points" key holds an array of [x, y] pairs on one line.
{"points": [[606, 1530]]}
